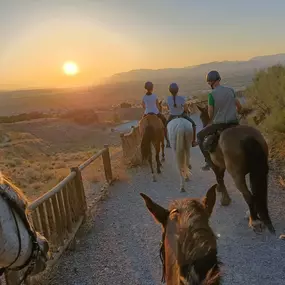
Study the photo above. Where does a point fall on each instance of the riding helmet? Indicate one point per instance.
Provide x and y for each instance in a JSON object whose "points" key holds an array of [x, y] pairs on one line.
{"points": [[148, 85], [173, 88], [213, 76]]}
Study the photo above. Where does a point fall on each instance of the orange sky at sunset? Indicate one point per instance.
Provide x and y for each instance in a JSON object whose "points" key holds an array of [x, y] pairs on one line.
{"points": [[107, 37]]}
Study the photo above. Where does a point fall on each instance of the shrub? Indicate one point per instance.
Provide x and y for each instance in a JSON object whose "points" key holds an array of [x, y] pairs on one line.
{"points": [[267, 94]]}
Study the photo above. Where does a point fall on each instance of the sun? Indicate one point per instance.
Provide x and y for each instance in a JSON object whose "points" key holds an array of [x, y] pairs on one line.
{"points": [[70, 68]]}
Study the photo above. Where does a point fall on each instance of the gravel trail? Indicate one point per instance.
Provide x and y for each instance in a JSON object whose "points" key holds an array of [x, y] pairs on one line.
{"points": [[122, 245]]}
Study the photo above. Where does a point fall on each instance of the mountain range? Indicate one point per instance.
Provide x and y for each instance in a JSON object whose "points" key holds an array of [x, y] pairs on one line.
{"points": [[228, 69]]}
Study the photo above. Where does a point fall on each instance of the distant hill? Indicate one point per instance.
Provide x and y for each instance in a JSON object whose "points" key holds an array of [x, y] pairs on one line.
{"points": [[228, 69]]}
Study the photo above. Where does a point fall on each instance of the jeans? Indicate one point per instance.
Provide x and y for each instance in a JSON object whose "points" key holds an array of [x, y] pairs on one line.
{"points": [[208, 131]]}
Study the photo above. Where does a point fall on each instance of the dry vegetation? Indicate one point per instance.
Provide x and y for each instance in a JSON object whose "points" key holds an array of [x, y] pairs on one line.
{"points": [[36, 155], [267, 96]]}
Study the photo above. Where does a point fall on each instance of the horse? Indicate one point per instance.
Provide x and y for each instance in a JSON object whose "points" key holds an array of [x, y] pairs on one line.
{"points": [[21, 246], [181, 135], [189, 247], [164, 120], [152, 132], [241, 150]]}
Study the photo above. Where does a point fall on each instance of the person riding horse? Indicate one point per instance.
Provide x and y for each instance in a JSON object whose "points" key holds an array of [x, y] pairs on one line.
{"points": [[223, 107], [150, 102], [178, 109]]}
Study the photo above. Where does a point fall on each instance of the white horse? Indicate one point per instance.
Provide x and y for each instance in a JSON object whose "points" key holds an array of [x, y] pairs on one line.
{"points": [[180, 136], [20, 245]]}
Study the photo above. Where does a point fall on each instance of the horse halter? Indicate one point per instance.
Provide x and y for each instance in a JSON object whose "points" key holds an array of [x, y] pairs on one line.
{"points": [[36, 250]]}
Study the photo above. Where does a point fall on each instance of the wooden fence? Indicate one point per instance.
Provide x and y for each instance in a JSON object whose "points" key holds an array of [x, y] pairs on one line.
{"points": [[59, 213]]}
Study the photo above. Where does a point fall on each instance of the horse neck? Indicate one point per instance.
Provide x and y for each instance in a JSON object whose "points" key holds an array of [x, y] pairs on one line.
{"points": [[9, 238]]}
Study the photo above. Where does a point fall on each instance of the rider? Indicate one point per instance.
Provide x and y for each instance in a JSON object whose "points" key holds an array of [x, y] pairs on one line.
{"points": [[150, 102], [178, 108], [222, 109]]}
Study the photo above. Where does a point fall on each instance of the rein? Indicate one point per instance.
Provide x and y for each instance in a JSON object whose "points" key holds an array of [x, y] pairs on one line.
{"points": [[35, 246]]}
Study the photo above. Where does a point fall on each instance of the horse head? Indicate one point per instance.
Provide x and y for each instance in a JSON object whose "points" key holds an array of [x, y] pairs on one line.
{"points": [[188, 248], [33, 254], [204, 116]]}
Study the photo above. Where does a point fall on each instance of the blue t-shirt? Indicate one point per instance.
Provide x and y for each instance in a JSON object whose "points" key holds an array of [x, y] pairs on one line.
{"points": [[180, 102]]}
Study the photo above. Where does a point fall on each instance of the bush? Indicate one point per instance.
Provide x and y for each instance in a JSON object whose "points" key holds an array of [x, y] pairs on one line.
{"points": [[267, 94]]}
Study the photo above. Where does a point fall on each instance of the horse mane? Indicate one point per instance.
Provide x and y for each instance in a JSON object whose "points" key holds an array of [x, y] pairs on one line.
{"points": [[13, 192], [198, 249]]}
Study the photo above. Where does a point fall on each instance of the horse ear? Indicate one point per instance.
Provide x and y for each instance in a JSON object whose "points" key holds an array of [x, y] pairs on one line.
{"points": [[210, 199], [159, 213]]}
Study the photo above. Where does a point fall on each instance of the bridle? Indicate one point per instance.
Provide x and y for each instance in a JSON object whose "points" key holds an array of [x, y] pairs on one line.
{"points": [[36, 250]]}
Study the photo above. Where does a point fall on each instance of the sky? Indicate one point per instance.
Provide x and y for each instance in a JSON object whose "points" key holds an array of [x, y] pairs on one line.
{"points": [[104, 37]]}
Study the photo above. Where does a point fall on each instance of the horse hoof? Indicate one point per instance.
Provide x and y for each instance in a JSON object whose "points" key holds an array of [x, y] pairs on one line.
{"points": [[182, 190], [163, 159], [153, 179], [225, 201], [187, 179], [247, 215], [159, 171], [257, 226]]}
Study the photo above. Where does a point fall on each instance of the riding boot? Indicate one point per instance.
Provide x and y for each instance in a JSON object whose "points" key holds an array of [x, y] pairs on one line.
{"points": [[208, 162]]}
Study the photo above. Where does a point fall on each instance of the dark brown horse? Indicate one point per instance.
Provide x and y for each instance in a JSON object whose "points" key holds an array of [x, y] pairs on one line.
{"points": [[189, 248], [242, 150], [152, 133]]}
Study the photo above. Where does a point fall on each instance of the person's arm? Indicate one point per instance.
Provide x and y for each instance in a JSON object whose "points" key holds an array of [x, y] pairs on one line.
{"points": [[211, 106], [157, 104], [143, 104]]}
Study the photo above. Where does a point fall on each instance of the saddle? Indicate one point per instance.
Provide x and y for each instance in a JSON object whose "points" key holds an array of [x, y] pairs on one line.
{"points": [[211, 141]]}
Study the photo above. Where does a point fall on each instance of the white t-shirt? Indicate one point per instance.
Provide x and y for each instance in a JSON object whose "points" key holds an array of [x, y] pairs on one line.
{"points": [[150, 104], [180, 102]]}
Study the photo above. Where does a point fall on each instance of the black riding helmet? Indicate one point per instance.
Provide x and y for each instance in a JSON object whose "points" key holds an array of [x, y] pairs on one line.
{"points": [[212, 77], [148, 85]]}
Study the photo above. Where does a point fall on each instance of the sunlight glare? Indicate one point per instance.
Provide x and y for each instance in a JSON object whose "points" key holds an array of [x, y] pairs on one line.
{"points": [[70, 68]]}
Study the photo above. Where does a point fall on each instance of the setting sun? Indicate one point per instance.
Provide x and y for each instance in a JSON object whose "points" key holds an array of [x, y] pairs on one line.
{"points": [[70, 68]]}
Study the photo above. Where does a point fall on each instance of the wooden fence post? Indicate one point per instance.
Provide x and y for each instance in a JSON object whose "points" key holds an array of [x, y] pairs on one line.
{"points": [[80, 192], [107, 164]]}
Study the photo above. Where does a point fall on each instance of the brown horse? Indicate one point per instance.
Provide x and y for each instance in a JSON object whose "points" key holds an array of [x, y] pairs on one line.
{"points": [[242, 150], [152, 133], [188, 248]]}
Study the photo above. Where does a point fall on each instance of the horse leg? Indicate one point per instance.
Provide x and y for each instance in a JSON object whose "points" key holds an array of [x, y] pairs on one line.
{"points": [[254, 222], [220, 173], [166, 137], [151, 166], [157, 151], [162, 149], [188, 163]]}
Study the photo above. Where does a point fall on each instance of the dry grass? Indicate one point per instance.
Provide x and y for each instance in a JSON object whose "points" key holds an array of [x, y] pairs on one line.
{"points": [[39, 155]]}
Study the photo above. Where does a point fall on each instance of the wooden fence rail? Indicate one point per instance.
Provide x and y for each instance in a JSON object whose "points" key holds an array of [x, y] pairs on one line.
{"points": [[59, 213]]}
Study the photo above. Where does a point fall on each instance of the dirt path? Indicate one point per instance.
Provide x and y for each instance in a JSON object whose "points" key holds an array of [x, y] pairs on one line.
{"points": [[122, 244]]}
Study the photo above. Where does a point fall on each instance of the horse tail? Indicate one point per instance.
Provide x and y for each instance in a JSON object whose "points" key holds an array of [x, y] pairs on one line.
{"points": [[257, 163], [181, 145], [147, 138]]}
